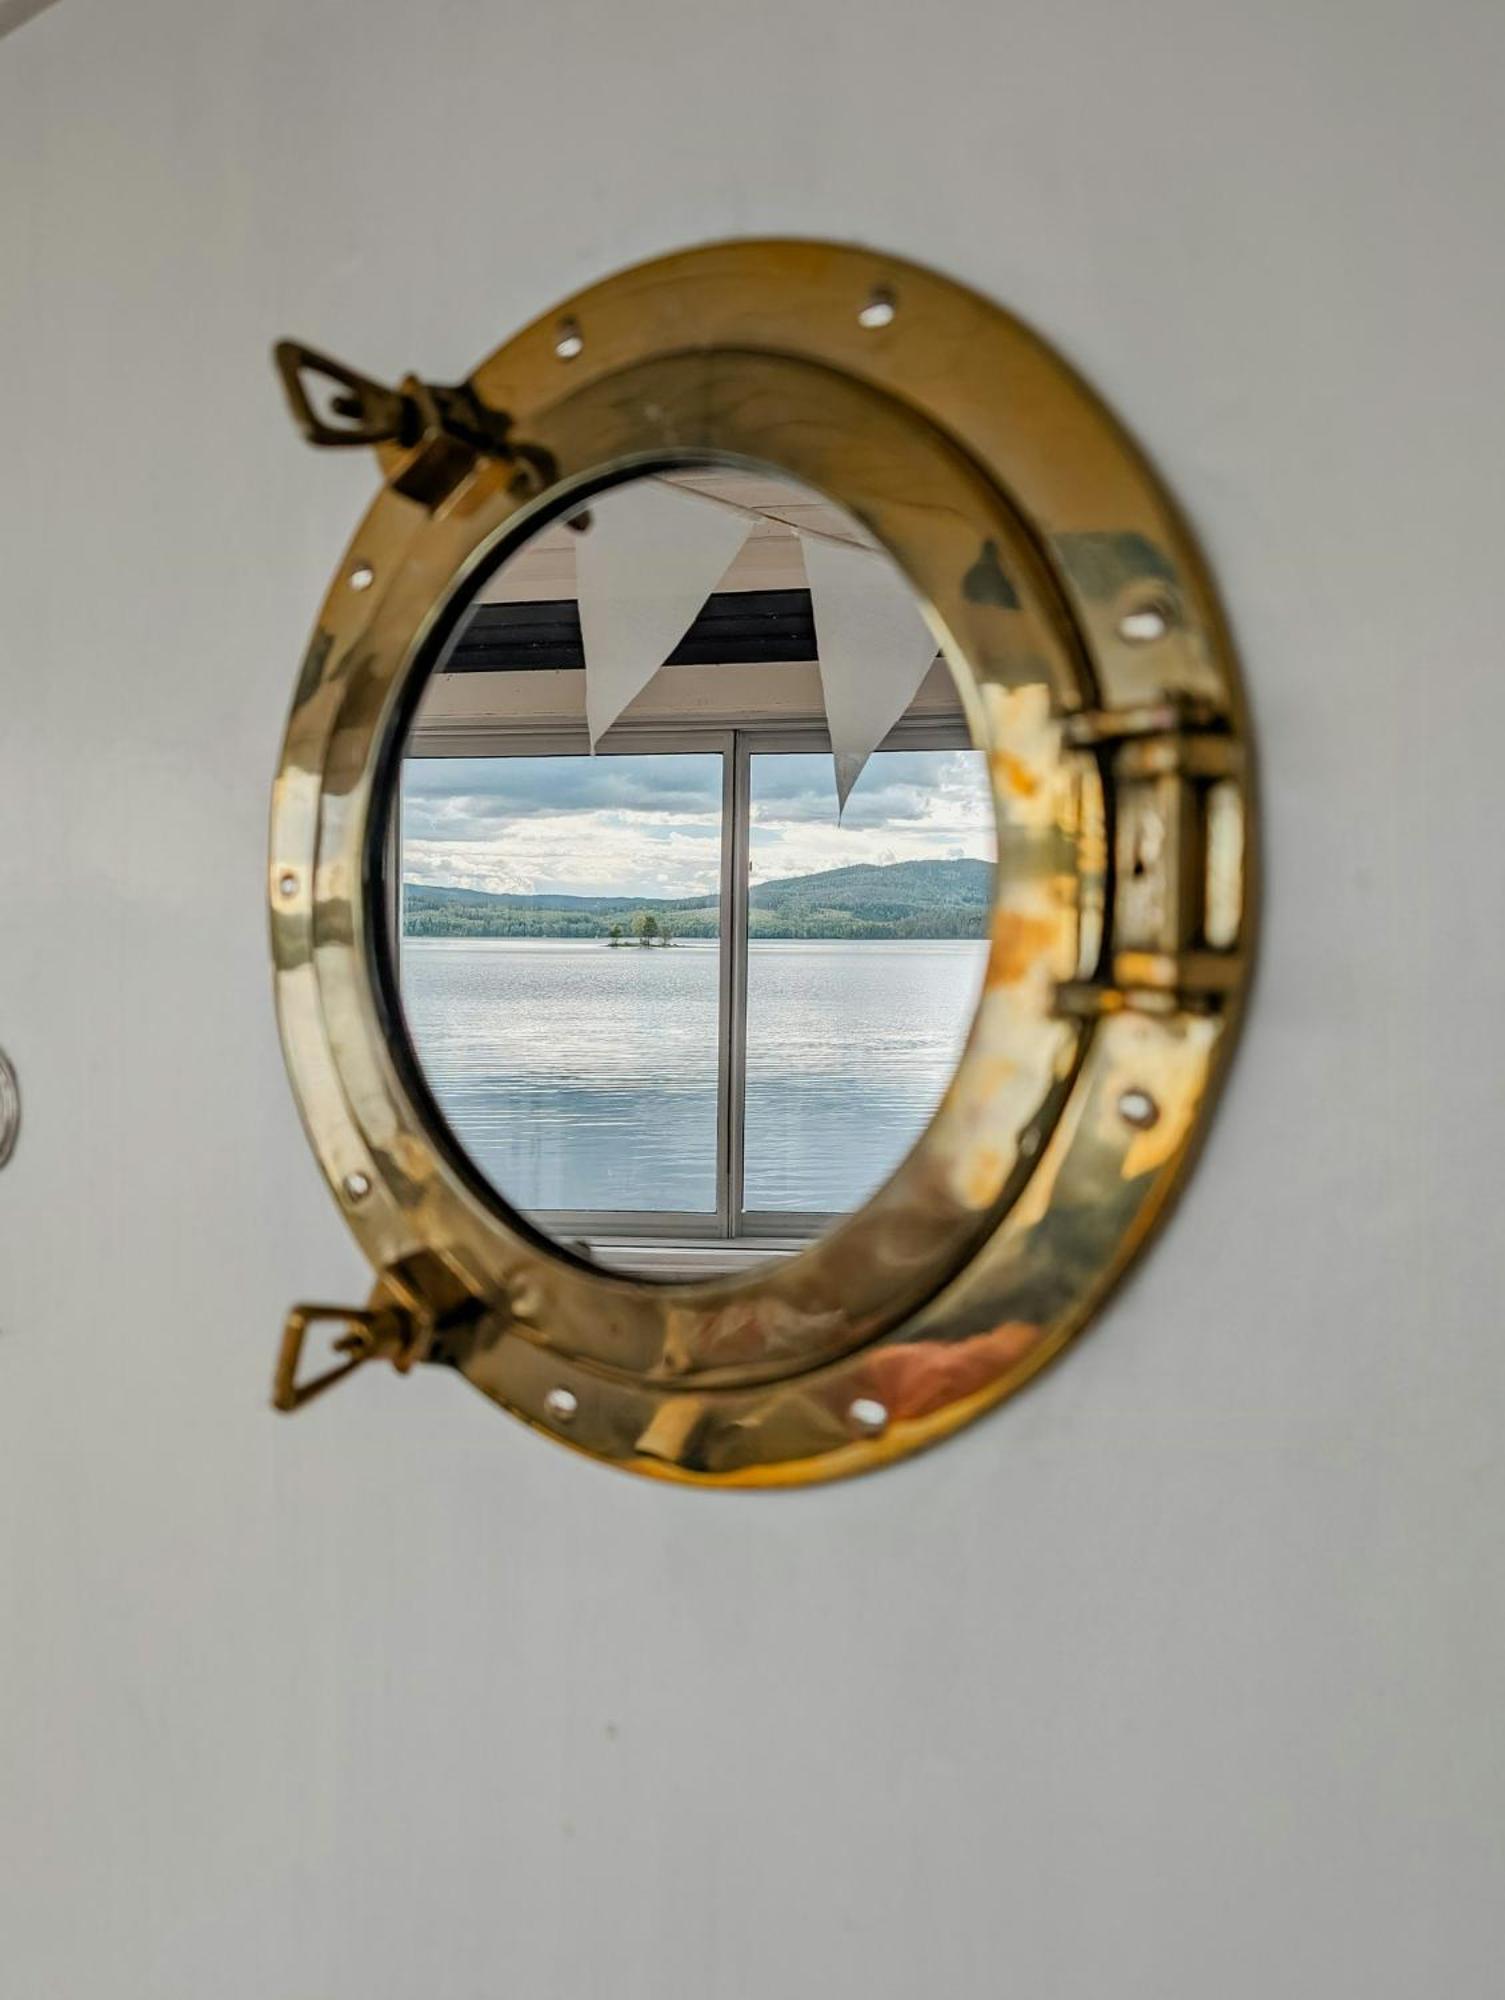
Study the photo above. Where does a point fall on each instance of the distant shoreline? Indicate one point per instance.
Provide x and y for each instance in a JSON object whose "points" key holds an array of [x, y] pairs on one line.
{"points": [[920, 901], [630, 947]]}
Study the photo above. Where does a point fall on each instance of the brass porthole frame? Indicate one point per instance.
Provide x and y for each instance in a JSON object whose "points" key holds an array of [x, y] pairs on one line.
{"points": [[1097, 674]]}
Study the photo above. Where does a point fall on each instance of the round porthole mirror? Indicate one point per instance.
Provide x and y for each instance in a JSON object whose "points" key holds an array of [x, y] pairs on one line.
{"points": [[759, 864], [691, 863]]}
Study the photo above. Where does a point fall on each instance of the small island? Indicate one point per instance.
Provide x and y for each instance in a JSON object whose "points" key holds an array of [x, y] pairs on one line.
{"points": [[646, 930]]}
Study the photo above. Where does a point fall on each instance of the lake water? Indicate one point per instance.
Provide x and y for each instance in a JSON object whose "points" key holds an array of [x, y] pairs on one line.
{"points": [[578, 1076]]}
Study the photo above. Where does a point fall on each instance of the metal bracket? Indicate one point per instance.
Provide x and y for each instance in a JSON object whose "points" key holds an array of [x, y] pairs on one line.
{"points": [[380, 1332], [1171, 769], [427, 436]]}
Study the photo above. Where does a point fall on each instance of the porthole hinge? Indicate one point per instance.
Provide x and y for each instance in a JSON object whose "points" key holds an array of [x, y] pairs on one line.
{"points": [[427, 436], [1174, 774]]}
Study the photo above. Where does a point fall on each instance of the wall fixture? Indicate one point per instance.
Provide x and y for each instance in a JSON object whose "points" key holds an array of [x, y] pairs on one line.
{"points": [[10, 1109], [1089, 664]]}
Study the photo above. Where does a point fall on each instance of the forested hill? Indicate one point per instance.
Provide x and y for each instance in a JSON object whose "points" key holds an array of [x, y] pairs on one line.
{"points": [[906, 899]]}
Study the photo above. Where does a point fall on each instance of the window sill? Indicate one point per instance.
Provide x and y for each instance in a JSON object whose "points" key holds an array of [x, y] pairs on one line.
{"points": [[714, 1259]]}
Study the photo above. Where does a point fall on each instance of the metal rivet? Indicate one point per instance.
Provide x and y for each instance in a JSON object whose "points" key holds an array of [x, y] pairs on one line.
{"points": [[569, 340], [561, 1404], [1144, 623], [357, 1186], [868, 1415], [879, 310], [362, 577], [287, 883], [1137, 1108]]}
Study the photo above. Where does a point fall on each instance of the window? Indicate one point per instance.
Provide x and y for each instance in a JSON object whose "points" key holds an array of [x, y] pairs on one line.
{"points": [[859, 990], [622, 1063], [576, 1080]]}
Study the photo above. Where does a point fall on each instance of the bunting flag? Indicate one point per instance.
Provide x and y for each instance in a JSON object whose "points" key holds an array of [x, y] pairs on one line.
{"points": [[651, 557], [874, 647]]}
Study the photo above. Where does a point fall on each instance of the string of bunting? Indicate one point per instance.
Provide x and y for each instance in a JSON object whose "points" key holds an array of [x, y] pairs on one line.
{"points": [[656, 551]]}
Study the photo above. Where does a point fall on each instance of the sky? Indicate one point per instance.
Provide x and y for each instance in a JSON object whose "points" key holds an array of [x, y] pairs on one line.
{"points": [[651, 826]]}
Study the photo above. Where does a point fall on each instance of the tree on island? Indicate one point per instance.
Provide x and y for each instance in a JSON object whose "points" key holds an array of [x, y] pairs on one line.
{"points": [[616, 935], [645, 927]]}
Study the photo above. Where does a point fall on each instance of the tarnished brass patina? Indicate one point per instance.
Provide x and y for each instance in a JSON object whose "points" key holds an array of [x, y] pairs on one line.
{"points": [[1096, 674]]}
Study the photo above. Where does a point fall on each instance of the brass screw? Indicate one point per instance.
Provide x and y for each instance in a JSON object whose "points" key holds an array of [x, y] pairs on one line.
{"points": [[879, 310], [1137, 1108], [1145, 622]]}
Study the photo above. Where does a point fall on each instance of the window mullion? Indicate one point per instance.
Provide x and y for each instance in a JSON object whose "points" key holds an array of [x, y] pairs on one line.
{"points": [[736, 1020], [725, 987]]}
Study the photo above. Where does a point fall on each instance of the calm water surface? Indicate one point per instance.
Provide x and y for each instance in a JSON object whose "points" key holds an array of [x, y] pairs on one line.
{"points": [[578, 1076]]}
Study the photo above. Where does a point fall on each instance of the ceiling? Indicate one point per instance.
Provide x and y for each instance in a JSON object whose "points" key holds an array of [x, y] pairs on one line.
{"points": [[770, 559]]}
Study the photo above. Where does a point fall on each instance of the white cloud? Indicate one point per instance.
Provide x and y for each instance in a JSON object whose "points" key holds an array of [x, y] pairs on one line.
{"points": [[650, 826]]}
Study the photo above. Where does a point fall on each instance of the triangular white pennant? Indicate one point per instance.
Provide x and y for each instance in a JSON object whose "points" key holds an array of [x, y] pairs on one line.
{"points": [[874, 645], [650, 558]]}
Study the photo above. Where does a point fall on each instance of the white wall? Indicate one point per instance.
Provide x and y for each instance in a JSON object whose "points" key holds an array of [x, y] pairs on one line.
{"points": [[1180, 1676]]}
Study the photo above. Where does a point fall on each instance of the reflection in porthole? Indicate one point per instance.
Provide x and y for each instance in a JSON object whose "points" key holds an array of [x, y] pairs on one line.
{"points": [[676, 999]]}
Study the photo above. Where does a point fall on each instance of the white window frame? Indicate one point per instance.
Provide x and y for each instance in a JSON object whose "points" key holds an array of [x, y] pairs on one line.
{"points": [[729, 1227]]}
